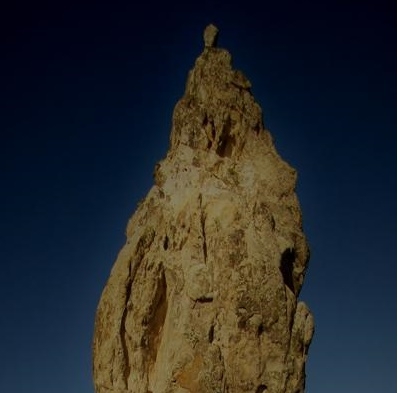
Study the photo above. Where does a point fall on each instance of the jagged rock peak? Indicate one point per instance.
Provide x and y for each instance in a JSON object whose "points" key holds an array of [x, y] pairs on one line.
{"points": [[203, 296], [218, 112]]}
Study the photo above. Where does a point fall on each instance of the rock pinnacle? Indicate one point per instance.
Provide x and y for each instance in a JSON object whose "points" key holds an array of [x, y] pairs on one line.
{"points": [[210, 36], [203, 296]]}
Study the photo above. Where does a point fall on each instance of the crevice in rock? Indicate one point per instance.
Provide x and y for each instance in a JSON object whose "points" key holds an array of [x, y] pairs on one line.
{"points": [[123, 333], [257, 128], [166, 243], [202, 229], [260, 330], [144, 243], [205, 299], [226, 142], [261, 389], [211, 334], [156, 322], [213, 130], [286, 267]]}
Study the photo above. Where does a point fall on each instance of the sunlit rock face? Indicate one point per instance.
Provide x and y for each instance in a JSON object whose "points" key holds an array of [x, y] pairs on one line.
{"points": [[203, 297]]}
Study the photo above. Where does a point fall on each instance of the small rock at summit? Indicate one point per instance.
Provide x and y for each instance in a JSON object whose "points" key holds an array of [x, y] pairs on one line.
{"points": [[204, 295], [210, 36]]}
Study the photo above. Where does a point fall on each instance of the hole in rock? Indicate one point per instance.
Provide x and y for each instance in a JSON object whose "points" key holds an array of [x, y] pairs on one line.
{"points": [[205, 299], [261, 389], [166, 243], [286, 267], [211, 334]]}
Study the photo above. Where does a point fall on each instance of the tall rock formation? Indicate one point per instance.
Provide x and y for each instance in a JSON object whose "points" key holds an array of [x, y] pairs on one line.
{"points": [[203, 297]]}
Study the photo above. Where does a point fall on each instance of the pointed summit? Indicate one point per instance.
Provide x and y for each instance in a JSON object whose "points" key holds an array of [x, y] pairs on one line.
{"points": [[210, 36], [217, 113], [203, 296]]}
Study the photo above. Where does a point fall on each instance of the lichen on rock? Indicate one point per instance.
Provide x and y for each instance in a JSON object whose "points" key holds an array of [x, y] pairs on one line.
{"points": [[203, 297]]}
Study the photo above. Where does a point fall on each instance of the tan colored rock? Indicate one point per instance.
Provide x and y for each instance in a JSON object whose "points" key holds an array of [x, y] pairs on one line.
{"points": [[210, 36], [203, 297]]}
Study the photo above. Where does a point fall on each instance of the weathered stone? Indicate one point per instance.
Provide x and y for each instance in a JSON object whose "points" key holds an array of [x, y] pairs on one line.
{"points": [[203, 297], [210, 36]]}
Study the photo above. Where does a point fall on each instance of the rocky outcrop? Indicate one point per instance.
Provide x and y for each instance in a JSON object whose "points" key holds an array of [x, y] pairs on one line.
{"points": [[203, 297]]}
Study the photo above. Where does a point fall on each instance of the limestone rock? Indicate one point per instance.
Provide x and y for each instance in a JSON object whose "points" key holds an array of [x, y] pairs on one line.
{"points": [[203, 297]]}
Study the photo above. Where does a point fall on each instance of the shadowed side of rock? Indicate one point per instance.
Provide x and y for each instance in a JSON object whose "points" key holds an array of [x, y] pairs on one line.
{"points": [[203, 297]]}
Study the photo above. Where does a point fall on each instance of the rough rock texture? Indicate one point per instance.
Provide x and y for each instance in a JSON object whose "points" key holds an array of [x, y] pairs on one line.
{"points": [[203, 296]]}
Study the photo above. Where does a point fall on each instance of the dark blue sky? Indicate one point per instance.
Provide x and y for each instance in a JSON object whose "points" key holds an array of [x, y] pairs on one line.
{"points": [[87, 93]]}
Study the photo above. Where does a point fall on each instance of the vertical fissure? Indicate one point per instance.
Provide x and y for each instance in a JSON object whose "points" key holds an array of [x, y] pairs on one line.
{"points": [[203, 229], [123, 331]]}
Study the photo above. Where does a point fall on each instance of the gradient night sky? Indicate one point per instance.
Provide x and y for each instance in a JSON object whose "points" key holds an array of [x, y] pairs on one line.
{"points": [[87, 93]]}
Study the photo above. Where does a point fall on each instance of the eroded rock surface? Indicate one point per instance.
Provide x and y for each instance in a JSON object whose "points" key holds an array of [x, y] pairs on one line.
{"points": [[203, 297]]}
